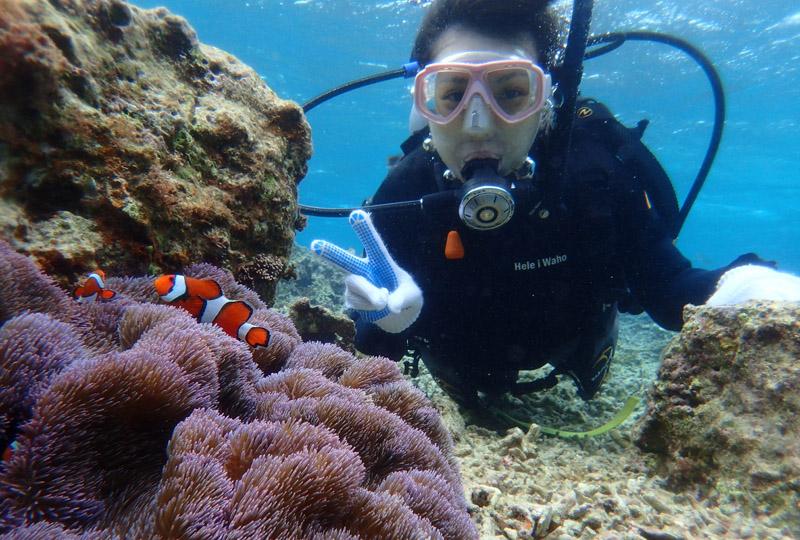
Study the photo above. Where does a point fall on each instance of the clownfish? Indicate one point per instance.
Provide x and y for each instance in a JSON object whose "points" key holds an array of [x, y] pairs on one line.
{"points": [[94, 288], [204, 300]]}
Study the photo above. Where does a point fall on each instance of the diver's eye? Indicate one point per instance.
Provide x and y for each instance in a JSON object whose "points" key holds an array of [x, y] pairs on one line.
{"points": [[511, 93], [454, 96]]}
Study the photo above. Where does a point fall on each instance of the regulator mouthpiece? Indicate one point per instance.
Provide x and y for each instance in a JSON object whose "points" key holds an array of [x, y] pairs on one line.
{"points": [[486, 202]]}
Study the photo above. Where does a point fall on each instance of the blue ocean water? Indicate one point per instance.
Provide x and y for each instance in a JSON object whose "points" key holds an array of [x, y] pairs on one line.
{"points": [[751, 199]]}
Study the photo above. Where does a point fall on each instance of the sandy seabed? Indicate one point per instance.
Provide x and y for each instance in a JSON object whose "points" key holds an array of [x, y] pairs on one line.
{"points": [[524, 484], [521, 483]]}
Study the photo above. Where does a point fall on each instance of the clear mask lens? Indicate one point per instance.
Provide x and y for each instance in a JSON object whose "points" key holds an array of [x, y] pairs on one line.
{"points": [[511, 92]]}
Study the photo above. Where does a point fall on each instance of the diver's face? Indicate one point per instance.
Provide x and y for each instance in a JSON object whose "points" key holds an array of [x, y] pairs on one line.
{"points": [[486, 135]]}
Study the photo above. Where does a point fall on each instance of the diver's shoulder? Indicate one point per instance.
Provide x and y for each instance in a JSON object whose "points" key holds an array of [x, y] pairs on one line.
{"points": [[589, 109], [415, 140], [410, 177]]}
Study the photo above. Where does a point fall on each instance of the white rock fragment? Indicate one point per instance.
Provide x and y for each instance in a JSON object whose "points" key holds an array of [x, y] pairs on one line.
{"points": [[565, 504], [463, 450], [578, 512], [572, 527], [593, 521], [513, 438], [530, 439], [632, 486], [517, 454], [542, 519], [510, 533], [634, 510], [586, 491], [658, 504]]}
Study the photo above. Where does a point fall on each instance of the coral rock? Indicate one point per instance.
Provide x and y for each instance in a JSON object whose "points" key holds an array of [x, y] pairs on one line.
{"points": [[130, 146], [318, 323], [724, 411], [311, 277]]}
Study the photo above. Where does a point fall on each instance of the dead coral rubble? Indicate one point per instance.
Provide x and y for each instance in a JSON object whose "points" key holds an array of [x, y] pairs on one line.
{"points": [[171, 430], [318, 323], [725, 411], [126, 144]]}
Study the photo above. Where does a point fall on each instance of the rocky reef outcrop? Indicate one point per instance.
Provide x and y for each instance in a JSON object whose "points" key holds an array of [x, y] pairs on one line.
{"points": [[128, 145], [314, 278], [724, 414], [128, 419], [318, 323]]}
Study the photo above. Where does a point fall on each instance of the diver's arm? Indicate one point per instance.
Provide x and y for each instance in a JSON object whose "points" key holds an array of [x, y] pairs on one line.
{"points": [[374, 341], [664, 281], [409, 179], [660, 277]]}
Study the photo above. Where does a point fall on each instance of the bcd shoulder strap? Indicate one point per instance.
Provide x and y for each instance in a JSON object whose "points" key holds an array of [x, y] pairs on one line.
{"points": [[625, 144]]}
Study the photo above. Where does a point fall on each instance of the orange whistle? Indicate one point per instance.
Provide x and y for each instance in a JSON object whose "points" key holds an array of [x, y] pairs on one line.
{"points": [[453, 248]]}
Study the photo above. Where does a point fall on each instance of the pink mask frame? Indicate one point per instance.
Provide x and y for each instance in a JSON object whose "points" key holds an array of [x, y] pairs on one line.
{"points": [[478, 85]]}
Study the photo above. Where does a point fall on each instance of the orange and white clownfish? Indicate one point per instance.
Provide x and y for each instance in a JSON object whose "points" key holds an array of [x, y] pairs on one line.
{"points": [[204, 300], [93, 289]]}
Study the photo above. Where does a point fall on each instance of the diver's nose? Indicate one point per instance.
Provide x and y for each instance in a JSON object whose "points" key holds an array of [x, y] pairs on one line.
{"points": [[478, 117]]}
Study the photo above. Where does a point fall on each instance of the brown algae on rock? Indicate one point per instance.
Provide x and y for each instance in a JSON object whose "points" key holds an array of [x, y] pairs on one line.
{"points": [[167, 150]]}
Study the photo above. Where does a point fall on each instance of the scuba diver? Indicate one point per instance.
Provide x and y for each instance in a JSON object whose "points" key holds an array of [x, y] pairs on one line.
{"points": [[528, 236]]}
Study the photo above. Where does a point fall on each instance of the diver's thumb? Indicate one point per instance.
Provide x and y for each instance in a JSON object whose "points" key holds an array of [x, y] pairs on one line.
{"points": [[361, 294], [407, 297]]}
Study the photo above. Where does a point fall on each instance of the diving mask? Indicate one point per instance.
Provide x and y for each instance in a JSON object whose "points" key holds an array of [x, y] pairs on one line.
{"points": [[514, 89]]}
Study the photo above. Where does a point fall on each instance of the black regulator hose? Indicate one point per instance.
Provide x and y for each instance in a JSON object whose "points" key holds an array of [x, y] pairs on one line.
{"points": [[568, 77], [407, 71], [320, 211], [616, 39]]}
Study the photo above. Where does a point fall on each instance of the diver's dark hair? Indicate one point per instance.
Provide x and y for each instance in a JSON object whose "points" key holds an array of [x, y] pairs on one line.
{"points": [[495, 18]]}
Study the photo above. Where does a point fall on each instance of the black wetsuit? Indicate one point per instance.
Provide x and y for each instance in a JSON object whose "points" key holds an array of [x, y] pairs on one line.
{"points": [[537, 289]]}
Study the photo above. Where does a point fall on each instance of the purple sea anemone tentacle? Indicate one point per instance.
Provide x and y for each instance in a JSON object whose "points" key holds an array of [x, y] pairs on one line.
{"points": [[137, 421], [34, 348]]}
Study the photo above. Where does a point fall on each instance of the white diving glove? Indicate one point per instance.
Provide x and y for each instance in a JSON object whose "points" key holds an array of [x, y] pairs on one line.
{"points": [[752, 282], [379, 290]]}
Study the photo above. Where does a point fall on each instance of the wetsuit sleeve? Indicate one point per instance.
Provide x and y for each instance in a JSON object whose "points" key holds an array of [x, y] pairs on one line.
{"points": [[662, 280], [371, 340]]}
